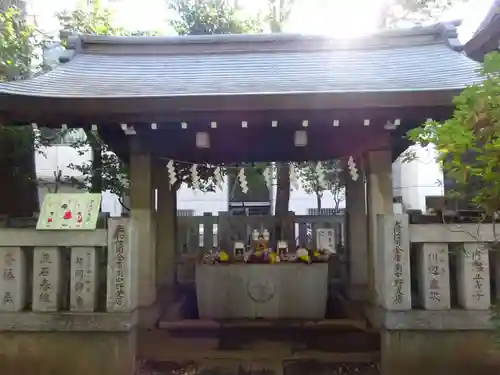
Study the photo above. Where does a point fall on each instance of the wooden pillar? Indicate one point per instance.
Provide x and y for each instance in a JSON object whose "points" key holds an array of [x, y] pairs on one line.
{"points": [[357, 234], [378, 166], [142, 207], [166, 216]]}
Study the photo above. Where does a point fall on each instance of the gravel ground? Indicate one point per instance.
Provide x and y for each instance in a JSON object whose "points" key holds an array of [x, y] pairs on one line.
{"points": [[168, 368]]}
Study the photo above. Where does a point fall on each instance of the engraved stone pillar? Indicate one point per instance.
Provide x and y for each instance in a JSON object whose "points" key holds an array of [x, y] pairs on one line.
{"points": [[434, 276], [83, 295], [46, 279], [13, 282], [122, 283], [474, 277], [393, 262]]}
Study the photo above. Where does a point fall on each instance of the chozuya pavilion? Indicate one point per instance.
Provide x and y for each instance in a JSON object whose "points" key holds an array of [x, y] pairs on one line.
{"points": [[248, 98]]}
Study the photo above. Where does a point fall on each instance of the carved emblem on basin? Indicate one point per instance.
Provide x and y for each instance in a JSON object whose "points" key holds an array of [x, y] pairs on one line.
{"points": [[260, 290]]}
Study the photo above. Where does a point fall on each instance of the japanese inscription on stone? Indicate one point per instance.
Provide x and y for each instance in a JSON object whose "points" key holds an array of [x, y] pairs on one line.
{"points": [[434, 273], [434, 283], [119, 266], [478, 274], [398, 253], [122, 280], [325, 239], [12, 282], [83, 279], [474, 277], [46, 276]]}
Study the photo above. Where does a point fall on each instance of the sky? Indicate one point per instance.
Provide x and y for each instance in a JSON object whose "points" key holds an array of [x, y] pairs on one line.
{"points": [[339, 18]]}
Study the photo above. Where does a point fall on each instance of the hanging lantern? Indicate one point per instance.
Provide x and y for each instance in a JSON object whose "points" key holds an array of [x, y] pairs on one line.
{"points": [[172, 175]]}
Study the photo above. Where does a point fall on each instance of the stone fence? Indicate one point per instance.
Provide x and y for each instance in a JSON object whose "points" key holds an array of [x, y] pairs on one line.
{"points": [[66, 273], [436, 268], [435, 285]]}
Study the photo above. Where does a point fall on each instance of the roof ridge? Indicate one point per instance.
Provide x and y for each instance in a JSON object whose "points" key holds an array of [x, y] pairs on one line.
{"points": [[437, 33]]}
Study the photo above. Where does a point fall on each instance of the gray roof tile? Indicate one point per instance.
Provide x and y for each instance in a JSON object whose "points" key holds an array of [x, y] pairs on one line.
{"points": [[123, 67]]}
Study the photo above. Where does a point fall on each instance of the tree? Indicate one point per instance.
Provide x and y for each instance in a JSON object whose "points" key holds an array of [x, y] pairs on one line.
{"points": [[468, 148], [208, 17], [311, 183], [278, 14], [105, 171], [415, 11], [473, 128], [18, 60]]}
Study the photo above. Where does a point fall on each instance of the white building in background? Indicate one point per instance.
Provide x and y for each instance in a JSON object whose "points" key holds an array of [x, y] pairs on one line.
{"points": [[411, 181]]}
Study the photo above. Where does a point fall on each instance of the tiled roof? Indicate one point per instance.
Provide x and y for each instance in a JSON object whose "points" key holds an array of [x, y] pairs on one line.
{"points": [[125, 67]]}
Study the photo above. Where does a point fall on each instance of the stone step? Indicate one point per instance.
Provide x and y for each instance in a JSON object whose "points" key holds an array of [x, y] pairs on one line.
{"points": [[159, 345], [333, 335]]}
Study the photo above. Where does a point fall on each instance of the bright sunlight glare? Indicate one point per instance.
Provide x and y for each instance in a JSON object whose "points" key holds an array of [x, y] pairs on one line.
{"points": [[339, 18]]}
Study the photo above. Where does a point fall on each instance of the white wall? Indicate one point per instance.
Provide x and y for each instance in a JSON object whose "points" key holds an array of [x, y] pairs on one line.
{"points": [[415, 180]]}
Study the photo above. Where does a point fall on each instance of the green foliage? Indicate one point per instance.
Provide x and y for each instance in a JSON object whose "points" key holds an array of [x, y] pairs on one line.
{"points": [[311, 184], [414, 11], [94, 19], [194, 17], [17, 45], [105, 171], [468, 144]]}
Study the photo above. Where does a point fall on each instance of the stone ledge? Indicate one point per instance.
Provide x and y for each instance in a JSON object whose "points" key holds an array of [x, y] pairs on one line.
{"points": [[68, 322], [443, 320]]}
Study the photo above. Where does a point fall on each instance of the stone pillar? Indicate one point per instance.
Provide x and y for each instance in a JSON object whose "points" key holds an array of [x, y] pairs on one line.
{"points": [[473, 273], [47, 280], [378, 171], [165, 235], [434, 276], [13, 284], [142, 207], [393, 262], [83, 295], [357, 234], [123, 266]]}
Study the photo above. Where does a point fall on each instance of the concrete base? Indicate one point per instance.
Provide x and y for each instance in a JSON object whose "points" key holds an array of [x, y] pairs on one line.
{"points": [[438, 353], [64, 353]]}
